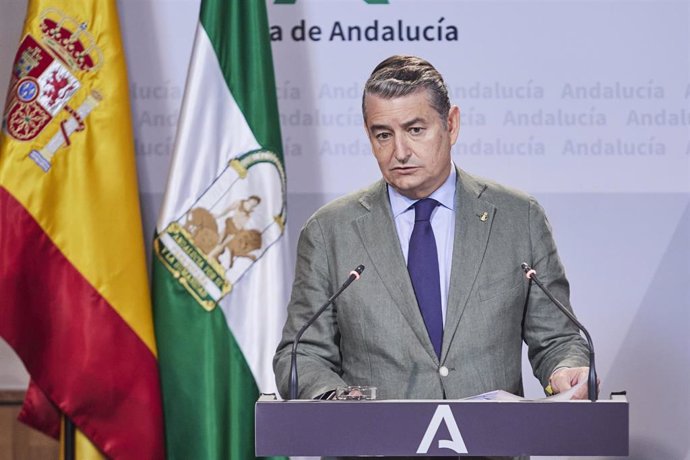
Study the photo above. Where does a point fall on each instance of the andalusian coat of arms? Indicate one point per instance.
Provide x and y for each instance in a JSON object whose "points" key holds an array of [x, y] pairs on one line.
{"points": [[215, 242]]}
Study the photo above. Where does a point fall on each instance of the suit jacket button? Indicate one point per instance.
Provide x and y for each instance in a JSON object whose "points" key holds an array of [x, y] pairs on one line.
{"points": [[443, 371]]}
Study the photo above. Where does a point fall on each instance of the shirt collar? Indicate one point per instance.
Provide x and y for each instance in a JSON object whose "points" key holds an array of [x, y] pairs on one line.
{"points": [[445, 195]]}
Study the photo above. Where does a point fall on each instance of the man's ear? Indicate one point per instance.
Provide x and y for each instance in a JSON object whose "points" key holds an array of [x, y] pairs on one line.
{"points": [[453, 123]]}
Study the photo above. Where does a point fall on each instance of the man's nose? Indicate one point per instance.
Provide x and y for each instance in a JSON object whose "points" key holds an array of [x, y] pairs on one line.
{"points": [[402, 149]]}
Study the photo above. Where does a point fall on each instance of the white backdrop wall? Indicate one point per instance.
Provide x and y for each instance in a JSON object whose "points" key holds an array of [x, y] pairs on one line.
{"points": [[584, 104]]}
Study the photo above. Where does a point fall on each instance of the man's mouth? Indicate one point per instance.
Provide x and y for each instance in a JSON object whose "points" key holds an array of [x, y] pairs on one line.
{"points": [[405, 168]]}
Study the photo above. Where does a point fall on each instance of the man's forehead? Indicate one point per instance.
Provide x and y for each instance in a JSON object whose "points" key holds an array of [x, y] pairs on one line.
{"points": [[402, 109], [420, 93]]}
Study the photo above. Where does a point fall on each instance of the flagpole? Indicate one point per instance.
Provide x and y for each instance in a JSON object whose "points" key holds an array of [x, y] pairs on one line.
{"points": [[69, 439]]}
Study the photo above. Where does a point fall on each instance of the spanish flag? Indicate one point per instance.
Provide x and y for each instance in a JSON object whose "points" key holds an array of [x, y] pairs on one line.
{"points": [[74, 299]]}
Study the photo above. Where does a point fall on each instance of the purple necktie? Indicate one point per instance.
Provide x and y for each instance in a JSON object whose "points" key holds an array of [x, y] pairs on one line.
{"points": [[422, 263]]}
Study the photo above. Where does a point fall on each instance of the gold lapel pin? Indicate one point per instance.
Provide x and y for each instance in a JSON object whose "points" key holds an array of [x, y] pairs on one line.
{"points": [[484, 217]]}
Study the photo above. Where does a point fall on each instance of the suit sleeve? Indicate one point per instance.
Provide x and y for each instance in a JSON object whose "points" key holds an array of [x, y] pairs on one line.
{"points": [[553, 341], [318, 355]]}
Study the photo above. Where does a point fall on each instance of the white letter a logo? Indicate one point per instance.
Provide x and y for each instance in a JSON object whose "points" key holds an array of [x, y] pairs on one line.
{"points": [[455, 443]]}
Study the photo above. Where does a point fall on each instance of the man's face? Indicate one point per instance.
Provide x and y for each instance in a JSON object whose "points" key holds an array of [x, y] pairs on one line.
{"points": [[410, 142]]}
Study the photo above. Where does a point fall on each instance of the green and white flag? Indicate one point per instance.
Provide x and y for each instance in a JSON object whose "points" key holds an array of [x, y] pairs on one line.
{"points": [[218, 270]]}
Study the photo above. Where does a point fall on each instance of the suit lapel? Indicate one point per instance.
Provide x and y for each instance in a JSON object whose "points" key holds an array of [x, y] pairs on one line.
{"points": [[380, 240], [473, 219]]}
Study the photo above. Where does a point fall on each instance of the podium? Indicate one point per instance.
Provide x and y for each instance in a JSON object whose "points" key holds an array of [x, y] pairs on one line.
{"points": [[441, 428]]}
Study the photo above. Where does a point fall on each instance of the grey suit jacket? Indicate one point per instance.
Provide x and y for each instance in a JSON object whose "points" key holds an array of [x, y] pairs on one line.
{"points": [[375, 334]]}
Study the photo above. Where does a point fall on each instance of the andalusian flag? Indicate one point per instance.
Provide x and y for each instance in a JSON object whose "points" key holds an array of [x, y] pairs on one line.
{"points": [[218, 282], [74, 299]]}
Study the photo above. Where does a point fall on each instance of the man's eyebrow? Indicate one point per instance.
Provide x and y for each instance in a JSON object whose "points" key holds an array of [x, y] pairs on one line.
{"points": [[379, 127], [406, 125], [413, 122]]}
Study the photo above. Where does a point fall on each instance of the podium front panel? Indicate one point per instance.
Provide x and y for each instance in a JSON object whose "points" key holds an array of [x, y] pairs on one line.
{"points": [[441, 428]]}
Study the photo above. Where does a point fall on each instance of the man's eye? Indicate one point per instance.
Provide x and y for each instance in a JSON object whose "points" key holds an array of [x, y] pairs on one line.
{"points": [[383, 136], [416, 130]]}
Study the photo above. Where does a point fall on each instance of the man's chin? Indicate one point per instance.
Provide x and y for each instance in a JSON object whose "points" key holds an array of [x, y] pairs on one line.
{"points": [[411, 191]]}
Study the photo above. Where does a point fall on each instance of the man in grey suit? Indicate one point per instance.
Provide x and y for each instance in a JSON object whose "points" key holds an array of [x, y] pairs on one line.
{"points": [[379, 333]]}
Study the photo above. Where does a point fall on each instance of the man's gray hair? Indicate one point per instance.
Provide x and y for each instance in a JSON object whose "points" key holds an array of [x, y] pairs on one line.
{"points": [[400, 76]]}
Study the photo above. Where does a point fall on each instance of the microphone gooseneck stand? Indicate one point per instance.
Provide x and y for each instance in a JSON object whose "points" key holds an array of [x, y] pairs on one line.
{"points": [[354, 275], [592, 392]]}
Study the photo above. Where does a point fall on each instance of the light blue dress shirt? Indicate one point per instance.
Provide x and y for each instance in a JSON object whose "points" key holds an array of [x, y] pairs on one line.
{"points": [[442, 222]]}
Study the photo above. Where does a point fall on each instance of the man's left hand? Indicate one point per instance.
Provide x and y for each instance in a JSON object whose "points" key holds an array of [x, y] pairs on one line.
{"points": [[565, 378]]}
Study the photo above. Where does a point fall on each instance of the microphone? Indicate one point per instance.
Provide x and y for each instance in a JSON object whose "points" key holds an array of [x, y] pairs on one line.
{"points": [[592, 392], [354, 275]]}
